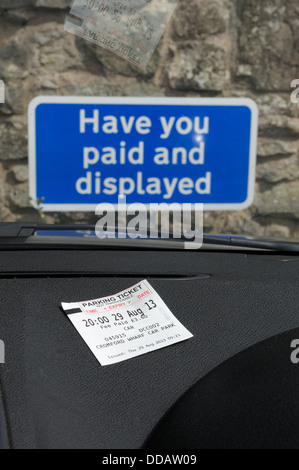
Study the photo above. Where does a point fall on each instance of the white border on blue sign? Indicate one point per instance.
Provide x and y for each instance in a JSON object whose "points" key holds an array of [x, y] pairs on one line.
{"points": [[146, 101]]}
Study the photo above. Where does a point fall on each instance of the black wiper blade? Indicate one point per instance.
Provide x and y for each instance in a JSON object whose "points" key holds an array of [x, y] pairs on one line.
{"points": [[17, 229], [247, 242], [23, 230], [28, 229]]}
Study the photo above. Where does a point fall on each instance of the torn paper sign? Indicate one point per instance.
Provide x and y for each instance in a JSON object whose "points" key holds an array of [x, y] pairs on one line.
{"points": [[129, 28], [130, 323]]}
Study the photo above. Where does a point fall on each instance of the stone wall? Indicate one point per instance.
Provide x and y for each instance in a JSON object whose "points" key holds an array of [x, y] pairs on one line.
{"points": [[229, 48]]}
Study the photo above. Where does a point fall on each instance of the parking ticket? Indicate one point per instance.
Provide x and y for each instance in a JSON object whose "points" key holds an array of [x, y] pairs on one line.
{"points": [[129, 28], [130, 323]]}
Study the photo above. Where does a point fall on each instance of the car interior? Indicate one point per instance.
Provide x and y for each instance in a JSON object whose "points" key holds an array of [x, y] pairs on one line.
{"points": [[232, 385]]}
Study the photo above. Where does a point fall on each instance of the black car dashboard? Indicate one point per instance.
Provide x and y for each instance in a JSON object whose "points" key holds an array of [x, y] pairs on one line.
{"points": [[56, 395]]}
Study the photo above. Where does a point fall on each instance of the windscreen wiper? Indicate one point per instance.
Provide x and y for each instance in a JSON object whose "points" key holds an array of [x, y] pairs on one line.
{"points": [[28, 229], [248, 242], [25, 230], [16, 229]]}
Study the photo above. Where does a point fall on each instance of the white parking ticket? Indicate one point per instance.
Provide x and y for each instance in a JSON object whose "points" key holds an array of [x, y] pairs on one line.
{"points": [[127, 324]]}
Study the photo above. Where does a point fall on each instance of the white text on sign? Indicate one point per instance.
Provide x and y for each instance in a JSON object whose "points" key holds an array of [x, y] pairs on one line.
{"points": [[142, 125]]}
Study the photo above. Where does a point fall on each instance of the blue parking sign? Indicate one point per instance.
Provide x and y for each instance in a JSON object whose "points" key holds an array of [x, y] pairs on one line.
{"points": [[85, 151]]}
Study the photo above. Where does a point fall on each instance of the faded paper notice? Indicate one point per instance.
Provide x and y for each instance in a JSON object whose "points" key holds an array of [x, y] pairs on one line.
{"points": [[129, 28]]}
